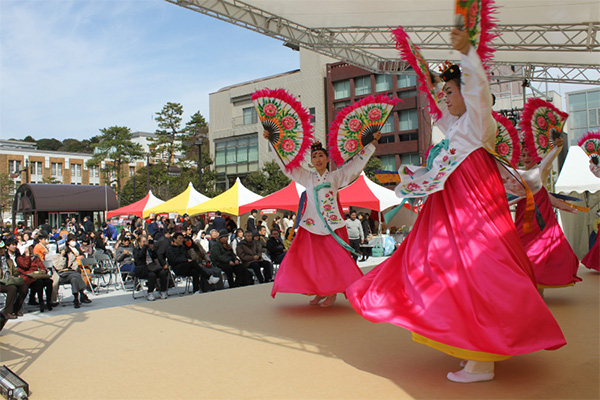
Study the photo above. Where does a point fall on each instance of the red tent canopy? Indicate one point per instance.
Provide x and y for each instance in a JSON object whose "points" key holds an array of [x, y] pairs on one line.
{"points": [[367, 194], [138, 207], [285, 199]]}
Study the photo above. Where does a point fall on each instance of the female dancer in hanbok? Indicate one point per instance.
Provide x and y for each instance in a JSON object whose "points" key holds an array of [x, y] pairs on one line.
{"points": [[553, 260], [461, 281], [592, 258], [316, 263]]}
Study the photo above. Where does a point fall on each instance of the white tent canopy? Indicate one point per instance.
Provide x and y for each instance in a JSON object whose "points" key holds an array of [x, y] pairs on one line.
{"points": [[575, 175], [555, 40], [577, 180]]}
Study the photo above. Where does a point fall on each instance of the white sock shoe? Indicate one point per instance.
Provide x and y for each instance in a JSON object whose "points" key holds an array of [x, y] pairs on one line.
{"points": [[329, 301], [213, 279], [463, 376]]}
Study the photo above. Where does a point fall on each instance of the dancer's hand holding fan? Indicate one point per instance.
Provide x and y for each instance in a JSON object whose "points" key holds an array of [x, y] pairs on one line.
{"points": [[354, 126], [287, 123]]}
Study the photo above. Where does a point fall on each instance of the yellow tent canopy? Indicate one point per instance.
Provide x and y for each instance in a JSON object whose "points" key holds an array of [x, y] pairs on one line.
{"points": [[179, 204], [228, 202]]}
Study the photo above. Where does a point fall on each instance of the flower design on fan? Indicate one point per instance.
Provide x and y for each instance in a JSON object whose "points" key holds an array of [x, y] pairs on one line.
{"points": [[541, 122], [355, 124], [543, 141], [503, 148], [288, 145], [375, 114], [288, 123], [270, 109], [351, 145], [551, 117], [472, 16], [590, 147]]}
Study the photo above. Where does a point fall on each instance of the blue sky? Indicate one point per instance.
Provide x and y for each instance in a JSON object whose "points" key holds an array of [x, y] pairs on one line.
{"points": [[70, 68]]}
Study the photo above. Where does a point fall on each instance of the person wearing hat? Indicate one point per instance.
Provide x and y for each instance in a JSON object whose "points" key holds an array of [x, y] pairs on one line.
{"points": [[222, 256], [461, 282]]}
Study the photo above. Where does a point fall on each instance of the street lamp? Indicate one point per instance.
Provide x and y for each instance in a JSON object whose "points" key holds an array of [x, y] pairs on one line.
{"points": [[198, 141]]}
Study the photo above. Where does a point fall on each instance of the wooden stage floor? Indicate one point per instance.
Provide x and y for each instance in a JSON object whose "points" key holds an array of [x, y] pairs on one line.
{"points": [[241, 344]]}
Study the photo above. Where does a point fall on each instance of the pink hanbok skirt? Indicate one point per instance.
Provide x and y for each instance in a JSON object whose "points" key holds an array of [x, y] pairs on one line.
{"points": [[553, 260], [592, 258], [461, 281], [316, 264]]}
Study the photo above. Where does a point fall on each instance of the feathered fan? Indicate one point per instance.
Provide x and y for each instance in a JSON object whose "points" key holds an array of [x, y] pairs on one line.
{"points": [[590, 143], [412, 55], [476, 16], [540, 121], [507, 139], [287, 122], [354, 126]]}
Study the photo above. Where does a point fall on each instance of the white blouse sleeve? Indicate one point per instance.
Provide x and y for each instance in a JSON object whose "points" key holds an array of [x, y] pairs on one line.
{"points": [[298, 175], [352, 169], [475, 90]]}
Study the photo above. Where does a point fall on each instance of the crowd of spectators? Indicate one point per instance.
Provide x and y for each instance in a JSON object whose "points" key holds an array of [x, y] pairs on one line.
{"points": [[151, 250]]}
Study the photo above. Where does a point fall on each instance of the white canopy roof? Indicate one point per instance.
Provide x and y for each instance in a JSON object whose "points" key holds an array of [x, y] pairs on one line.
{"points": [[540, 34], [575, 175]]}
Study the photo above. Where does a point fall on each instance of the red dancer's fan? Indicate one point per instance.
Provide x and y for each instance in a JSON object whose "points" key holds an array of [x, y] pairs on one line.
{"points": [[541, 123], [476, 17], [507, 140], [590, 143], [354, 126], [288, 124]]}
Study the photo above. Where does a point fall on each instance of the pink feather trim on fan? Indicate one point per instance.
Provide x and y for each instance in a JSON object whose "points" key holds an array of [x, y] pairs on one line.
{"points": [[530, 107], [339, 120], [407, 55], [514, 136], [487, 35], [592, 137], [588, 136], [304, 116]]}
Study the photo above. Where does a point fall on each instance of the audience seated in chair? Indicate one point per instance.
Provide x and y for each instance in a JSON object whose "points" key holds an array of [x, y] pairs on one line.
{"points": [[150, 270], [250, 252], [275, 247], [15, 294], [222, 256], [183, 265], [70, 272], [36, 278]]}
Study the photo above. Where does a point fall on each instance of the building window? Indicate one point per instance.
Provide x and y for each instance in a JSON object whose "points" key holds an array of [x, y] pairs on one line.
{"points": [[131, 171], [584, 110], [407, 93], [388, 163], [341, 104], [362, 86], [383, 83], [14, 166], [94, 172], [407, 81], [75, 170], [389, 125], [408, 120], [577, 102], [312, 113], [387, 139], [250, 116], [236, 156], [56, 169], [36, 168], [341, 89], [407, 137], [410, 159]]}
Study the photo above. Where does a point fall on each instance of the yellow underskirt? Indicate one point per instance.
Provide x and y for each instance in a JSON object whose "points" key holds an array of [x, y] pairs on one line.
{"points": [[539, 286], [458, 352]]}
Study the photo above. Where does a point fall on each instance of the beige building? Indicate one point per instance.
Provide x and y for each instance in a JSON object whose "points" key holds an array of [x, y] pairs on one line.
{"points": [[236, 141]]}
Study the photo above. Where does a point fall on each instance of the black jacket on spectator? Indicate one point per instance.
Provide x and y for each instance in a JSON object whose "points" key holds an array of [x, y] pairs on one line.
{"points": [[139, 255], [177, 255], [160, 251], [251, 224], [219, 223], [275, 247], [220, 256]]}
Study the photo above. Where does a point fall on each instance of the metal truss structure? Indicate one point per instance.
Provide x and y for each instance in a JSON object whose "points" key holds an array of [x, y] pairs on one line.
{"points": [[363, 46]]}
